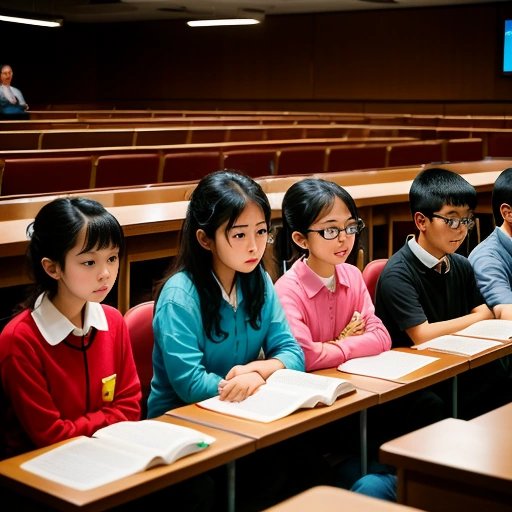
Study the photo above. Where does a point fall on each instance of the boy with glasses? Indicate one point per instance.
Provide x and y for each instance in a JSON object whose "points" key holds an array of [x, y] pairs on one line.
{"points": [[426, 289]]}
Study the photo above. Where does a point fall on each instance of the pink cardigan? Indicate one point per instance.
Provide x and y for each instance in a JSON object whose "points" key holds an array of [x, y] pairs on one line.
{"points": [[317, 315]]}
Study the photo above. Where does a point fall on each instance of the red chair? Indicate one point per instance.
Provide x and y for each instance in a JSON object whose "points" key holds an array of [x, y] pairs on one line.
{"points": [[253, 162], [415, 153], [371, 273], [161, 136], [192, 165], [139, 320], [127, 170], [462, 150], [88, 138], [296, 160], [42, 175], [499, 144], [361, 156]]}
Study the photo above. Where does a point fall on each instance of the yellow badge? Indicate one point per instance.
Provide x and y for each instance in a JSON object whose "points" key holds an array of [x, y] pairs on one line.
{"points": [[108, 388]]}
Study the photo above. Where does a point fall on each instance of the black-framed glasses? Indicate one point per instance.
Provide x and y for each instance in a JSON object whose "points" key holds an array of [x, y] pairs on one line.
{"points": [[352, 227], [455, 222]]}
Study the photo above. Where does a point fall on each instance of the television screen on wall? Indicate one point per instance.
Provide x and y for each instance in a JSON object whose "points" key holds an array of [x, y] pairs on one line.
{"points": [[507, 48]]}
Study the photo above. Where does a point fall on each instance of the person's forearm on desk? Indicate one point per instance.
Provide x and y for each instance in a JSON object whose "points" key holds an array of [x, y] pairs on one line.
{"points": [[426, 331]]}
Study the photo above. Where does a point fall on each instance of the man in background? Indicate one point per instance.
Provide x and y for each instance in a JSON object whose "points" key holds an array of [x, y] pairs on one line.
{"points": [[12, 102]]}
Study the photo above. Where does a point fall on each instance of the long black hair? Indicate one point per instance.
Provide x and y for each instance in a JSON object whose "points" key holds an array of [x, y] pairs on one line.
{"points": [[219, 197], [54, 233]]}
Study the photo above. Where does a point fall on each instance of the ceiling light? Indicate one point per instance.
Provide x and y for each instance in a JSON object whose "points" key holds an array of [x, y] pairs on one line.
{"points": [[32, 21], [217, 23]]}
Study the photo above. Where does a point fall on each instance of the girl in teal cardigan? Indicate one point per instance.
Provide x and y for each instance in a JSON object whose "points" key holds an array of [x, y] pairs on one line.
{"points": [[217, 313]]}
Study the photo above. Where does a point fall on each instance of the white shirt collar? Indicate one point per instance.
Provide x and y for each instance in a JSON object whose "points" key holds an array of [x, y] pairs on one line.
{"points": [[231, 299], [424, 256], [329, 282], [55, 327]]}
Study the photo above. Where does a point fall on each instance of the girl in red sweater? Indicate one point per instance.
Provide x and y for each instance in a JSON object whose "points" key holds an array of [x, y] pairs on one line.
{"points": [[66, 364]]}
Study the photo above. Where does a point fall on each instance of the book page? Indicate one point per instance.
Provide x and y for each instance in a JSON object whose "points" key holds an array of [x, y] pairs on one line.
{"points": [[461, 345], [390, 365], [158, 438], [117, 451], [85, 463], [317, 387], [267, 404], [494, 329]]}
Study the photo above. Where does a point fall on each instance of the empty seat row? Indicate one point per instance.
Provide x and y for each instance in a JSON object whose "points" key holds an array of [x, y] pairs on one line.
{"points": [[79, 137], [497, 142], [57, 174]]}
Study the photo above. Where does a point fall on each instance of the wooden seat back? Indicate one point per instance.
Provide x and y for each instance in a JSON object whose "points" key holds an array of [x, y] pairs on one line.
{"points": [[361, 156], [458, 150], [56, 139], [190, 165], [410, 153], [40, 175], [253, 162], [301, 160], [126, 170]]}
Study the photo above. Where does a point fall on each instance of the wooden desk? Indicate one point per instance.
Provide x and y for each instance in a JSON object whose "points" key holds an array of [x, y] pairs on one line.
{"points": [[266, 434], [490, 354], [446, 367], [374, 199], [453, 465], [373, 194], [227, 447], [143, 226], [500, 418], [333, 499], [152, 230]]}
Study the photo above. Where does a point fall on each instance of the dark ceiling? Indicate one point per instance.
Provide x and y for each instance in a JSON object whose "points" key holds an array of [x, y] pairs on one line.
{"points": [[97, 11]]}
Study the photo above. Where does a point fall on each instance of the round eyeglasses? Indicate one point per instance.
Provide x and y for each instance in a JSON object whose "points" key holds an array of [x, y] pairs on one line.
{"points": [[456, 222], [353, 227]]}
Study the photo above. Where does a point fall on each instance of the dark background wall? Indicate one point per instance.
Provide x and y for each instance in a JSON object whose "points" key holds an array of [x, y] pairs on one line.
{"points": [[424, 60]]}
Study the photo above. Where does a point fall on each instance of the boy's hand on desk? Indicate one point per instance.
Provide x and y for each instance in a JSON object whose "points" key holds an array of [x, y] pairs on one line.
{"points": [[240, 387]]}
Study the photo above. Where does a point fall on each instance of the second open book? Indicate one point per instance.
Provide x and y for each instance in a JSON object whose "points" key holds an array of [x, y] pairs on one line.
{"points": [[473, 339], [284, 392], [116, 451]]}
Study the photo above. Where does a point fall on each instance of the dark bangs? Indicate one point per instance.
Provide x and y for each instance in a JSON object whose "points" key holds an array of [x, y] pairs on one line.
{"points": [[103, 231], [433, 188], [234, 204]]}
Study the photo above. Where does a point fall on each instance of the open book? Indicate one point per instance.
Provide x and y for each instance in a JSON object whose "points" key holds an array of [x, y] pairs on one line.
{"points": [[284, 392], [389, 365], [116, 451], [473, 339]]}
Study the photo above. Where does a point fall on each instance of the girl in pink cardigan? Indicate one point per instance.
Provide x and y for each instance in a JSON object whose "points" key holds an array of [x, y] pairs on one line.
{"points": [[325, 299]]}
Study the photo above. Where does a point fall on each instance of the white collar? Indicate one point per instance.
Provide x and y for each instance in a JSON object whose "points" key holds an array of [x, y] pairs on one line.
{"points": [[231, 298], [329, 282], [424, 256], [55, 327]]}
